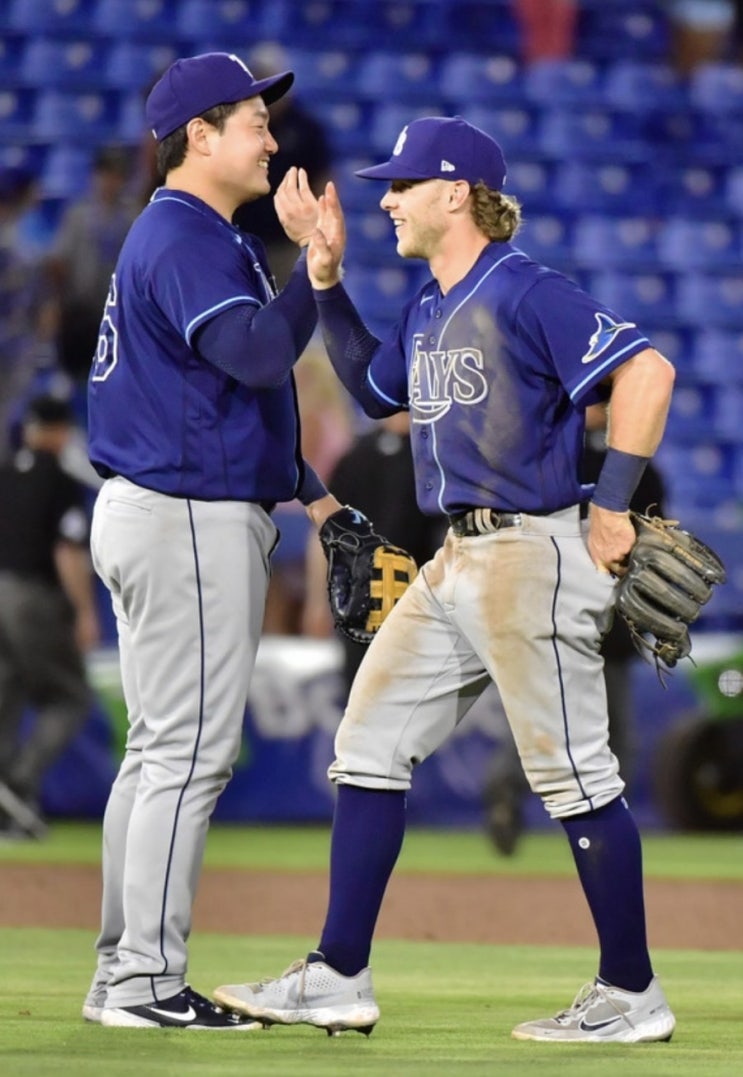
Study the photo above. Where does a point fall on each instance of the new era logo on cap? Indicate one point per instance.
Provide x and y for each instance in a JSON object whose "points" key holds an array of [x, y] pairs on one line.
{"points": [[436, 146]]}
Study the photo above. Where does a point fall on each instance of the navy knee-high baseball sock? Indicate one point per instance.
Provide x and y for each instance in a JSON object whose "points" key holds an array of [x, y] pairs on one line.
{"points": [[368, 830], [607, 852]]}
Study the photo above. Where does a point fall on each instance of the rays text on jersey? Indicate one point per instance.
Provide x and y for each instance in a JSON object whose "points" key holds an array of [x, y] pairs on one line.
{"points": [[441, 378]]}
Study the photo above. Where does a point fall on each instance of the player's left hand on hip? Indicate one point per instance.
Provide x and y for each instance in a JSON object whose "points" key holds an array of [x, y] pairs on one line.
{"points": [[610, 539]]}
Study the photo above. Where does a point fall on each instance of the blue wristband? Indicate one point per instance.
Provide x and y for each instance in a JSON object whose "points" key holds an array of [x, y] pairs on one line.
{"points": [[620, 475]]}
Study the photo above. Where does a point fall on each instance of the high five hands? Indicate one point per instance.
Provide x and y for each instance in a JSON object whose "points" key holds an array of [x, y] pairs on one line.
{"points": [[315, 223]]}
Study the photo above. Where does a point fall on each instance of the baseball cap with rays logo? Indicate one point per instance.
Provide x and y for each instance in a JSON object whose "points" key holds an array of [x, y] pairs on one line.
{"points": [[441, 147], [193, 85]]}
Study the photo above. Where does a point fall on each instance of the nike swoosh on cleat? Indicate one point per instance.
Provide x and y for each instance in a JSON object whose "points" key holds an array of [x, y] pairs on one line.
{"points": [[182, 1018], [586, 1027]]}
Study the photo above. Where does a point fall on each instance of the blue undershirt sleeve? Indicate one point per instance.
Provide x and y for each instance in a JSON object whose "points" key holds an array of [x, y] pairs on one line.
{"points": [[311, 487], [258, 346], [350, 347]]}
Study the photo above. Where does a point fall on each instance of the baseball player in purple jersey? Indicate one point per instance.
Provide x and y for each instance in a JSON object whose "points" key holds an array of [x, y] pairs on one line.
{"points": [[496, 357], [194, 427]]}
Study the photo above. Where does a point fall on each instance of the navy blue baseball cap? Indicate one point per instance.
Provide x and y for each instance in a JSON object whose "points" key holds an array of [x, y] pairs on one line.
{"points": [[440, 147], [192, 86]]}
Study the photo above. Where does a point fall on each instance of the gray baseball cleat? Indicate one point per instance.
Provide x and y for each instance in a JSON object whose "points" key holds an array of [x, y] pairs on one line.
{"points": [[310, 992], [602, 1014]]}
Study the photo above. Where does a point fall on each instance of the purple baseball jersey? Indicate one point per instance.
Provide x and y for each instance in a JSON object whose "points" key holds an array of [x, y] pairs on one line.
{"points": [[497, 374], [159, 414]]}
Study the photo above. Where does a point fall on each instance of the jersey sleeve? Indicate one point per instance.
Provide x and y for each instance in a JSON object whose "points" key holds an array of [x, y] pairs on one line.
{"points": [[579, 338], [190, 290]]}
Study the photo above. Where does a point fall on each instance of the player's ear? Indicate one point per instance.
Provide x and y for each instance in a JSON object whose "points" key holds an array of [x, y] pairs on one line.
{"points": [[197, 130], [459, 192]]}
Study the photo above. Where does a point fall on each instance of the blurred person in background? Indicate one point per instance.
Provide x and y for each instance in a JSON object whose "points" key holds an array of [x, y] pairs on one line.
{"points": [[704, 31], [374, 475], [27, 308], [506, 788], [84, 255], [48, 613], [302, 142], [547, 28]]}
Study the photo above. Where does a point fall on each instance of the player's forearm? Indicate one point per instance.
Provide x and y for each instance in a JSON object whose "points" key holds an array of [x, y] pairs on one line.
{"points": [[638, 406], [350, 347], [259, 347]]}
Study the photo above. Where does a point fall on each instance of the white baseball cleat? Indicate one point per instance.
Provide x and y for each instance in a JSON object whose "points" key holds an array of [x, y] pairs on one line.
{"points": [[310, 993], [602, 1014]]}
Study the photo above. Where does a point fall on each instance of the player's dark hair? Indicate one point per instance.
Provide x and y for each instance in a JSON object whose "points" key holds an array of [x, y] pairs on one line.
{"points": [[171, 152], [496, 214]]}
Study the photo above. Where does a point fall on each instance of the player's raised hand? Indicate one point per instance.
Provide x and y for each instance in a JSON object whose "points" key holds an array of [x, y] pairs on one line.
{"points": [[325, 252], [296, 206]]}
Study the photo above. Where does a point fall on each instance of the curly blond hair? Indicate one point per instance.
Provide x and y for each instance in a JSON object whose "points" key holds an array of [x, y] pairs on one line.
{"points": [[496, 214]]}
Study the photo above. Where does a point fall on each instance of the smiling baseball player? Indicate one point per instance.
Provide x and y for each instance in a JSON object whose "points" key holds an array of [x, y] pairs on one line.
{"points": [[194, 427], [496, 358]]}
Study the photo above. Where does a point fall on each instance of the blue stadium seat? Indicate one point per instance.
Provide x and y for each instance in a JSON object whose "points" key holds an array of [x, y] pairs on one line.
{"points": [[716, 87], [323, 74], [698, 474], [575, 82], [647, 298], [347, 125], [82, 117], [591, 133], [371, 237], [713, 300], [139, 20], [603, 188], [410, 24], [16, 114], [58, 18], [484, 25], [358, 195], [718, 356], [12, 50], [77, 64], [531, 183], [471, 78], [381, 292], [66, 172], [131, 125], [685, 244], [728, 423], [223, 24], [412, 74], [320, 24], [691, 190], [548, 239], [134, 65], [607, 31], [388, 120], [733, 191], [677, 345], [603, 242], [642, 85], [514, 126], [691, 414]]}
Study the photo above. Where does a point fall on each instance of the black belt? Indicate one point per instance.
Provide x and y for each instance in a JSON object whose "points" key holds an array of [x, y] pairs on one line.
{"points": [[267, 506], [482, 522]]}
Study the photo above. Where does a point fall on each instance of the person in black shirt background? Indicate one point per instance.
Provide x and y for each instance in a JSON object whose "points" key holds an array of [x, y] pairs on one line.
{"points": [[48, 614]]}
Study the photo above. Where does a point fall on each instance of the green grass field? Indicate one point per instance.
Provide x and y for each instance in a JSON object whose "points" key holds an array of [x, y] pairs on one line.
{"points": [[447, 1009]]}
